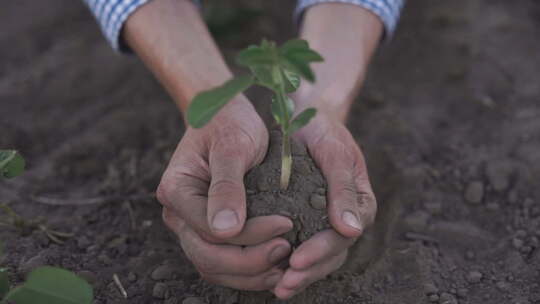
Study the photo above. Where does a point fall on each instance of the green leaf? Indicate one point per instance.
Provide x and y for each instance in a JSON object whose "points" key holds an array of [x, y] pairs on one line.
{"points": [[254, 56], [289, 106], [264, 76], [11, 163], [293, 44], [299, 67], [52, 286], [301, 120], [299, 49], [292, 81], [206, 104], [276, 112], [4, 283]]}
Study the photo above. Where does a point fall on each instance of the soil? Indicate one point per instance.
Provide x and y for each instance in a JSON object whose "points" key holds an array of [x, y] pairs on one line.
{"points": [[448, 120], [304, 201]]}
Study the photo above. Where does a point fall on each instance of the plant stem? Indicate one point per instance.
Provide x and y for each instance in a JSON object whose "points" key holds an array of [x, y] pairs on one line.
{"points": [[286, 162]]}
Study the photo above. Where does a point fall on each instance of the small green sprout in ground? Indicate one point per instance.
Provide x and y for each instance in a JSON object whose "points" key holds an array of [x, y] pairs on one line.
{"points": [[276, 68], [45, 284]]}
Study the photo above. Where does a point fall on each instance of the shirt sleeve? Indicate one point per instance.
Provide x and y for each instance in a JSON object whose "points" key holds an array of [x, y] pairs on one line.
{"points": [[387, 10]]}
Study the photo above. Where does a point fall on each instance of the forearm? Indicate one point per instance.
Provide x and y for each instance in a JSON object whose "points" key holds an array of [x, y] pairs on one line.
{"points": [[172, 40], [346, 36]]}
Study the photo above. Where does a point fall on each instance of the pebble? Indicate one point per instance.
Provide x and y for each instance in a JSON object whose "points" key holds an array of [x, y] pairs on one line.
{"points": [[470, 255], [103, 258], [160, 291], [83, 242], [417, 221], [132, 277], [502, 286], [492, 206], [518, 243], [474, 276], [263, 184], [162, 272], [193, 300], [462, 292], [474, 192], [434, 298], [317, 202], [433, 208], [447, 298], [498, 174], [430, 288]]}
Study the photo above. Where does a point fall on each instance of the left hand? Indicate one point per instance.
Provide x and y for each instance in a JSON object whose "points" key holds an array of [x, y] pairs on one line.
{"points": [[351, 204]]}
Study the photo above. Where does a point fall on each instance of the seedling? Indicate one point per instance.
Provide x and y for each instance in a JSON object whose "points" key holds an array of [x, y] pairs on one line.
{"points": [[276, 68], [45, 284]]}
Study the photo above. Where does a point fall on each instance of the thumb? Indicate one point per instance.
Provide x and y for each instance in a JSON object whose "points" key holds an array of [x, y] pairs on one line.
{"points": [[226, 208]]}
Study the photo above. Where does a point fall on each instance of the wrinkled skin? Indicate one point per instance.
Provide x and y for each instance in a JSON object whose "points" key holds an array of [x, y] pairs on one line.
{"points": [[205, 176]]}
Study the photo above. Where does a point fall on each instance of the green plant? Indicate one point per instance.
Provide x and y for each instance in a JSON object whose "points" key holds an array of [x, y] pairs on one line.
{"points": [[45, 284], [276, 68]]}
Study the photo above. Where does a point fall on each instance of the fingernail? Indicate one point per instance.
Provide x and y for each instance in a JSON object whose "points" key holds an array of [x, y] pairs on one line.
{"points": [[278, 253], [350, 219], [225, 219], [272, 280]]}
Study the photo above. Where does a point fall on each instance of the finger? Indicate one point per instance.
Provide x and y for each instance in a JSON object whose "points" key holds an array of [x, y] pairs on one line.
{"points": [[294, 281], [367, 203], [226, 209], [264, 281], [319, 248], [231, 259], [257, 230], [337, 161]]}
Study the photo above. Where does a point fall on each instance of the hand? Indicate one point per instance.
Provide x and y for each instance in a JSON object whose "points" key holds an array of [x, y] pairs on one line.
{"points": [[204, 201], [351, 209]]}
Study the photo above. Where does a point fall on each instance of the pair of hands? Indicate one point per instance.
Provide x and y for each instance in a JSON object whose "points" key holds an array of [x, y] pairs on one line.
{"points": [[204, 201]]}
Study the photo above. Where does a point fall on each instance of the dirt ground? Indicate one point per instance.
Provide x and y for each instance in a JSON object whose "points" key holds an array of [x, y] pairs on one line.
{"points": [[449, 121]]}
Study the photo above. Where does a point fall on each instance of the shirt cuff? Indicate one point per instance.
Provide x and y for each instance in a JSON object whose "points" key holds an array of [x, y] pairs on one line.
{"points": [[111, 16], [388, 11]]}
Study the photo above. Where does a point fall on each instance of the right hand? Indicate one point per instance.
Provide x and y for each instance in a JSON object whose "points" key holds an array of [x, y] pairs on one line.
{"points": [[204, 202]]}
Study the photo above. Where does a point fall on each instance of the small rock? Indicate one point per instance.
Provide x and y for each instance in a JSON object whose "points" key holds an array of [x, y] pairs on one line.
{"points": [[518, 243], [317, 202], [470, 255], [521, 233], [498, 174], [302, 167], [83, 242], [430, 288], [433, 208], [417, 221], [160, 291], [462, 292], [474, 276], [492, 206], [512, 197], [474, 192], [263, 184], [32, 263], [502, 286], [162, 272], [172, 300], [321, 191], [193, 300], [434, 298], [103, 258], [447, 298], [132, 277], [88, 276]]}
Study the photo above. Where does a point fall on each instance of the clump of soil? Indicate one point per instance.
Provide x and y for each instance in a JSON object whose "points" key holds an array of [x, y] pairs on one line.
{"points": [[304, 201]]}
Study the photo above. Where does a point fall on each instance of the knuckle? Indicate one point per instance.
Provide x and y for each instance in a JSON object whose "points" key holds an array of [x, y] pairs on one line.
{"points": [[224, 186], [204, 265], [165, 191]]}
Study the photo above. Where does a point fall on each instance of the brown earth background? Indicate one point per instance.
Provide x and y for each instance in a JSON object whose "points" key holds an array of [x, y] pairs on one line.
{"points": [[448, 119]]}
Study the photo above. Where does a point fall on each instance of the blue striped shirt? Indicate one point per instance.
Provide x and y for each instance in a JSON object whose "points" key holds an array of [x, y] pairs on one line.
{"points": [[111, 14]]}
